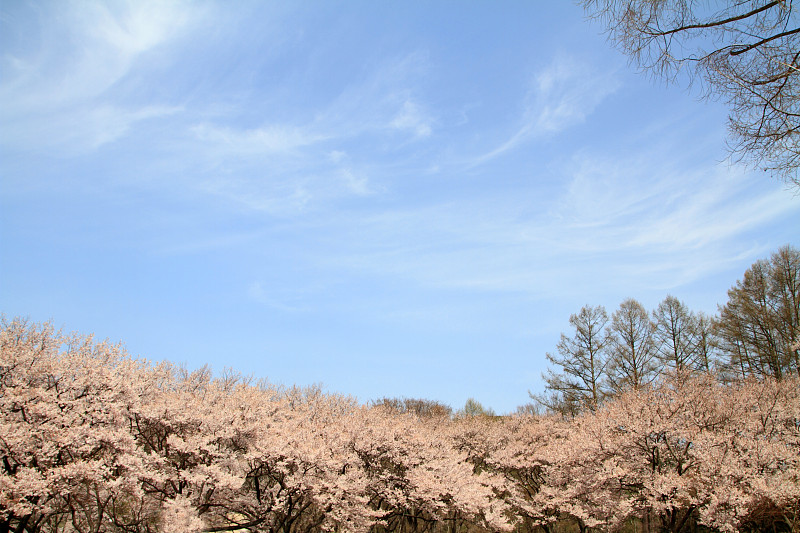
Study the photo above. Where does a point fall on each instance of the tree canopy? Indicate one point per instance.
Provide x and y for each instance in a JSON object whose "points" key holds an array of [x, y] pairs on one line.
{"points": [[93, 440]]}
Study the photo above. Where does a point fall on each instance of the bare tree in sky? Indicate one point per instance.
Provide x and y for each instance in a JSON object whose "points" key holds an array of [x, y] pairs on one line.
{"points": [[744, 52], [633, 361], [579, 382]]}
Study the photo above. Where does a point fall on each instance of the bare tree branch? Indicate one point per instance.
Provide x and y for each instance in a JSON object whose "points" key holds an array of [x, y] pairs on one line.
{"points": [[714, 41]]}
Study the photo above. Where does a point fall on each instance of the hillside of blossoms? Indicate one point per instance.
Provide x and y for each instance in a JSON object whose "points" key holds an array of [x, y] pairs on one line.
{"points": [[702, 437]]}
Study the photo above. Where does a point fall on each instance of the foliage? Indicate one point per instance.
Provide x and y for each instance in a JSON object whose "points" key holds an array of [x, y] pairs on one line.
{"points": [[94, 440]]}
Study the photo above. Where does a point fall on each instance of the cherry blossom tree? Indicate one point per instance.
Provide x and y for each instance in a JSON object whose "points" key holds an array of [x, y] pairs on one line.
{"points": [[94, 440], [69, 460], [689, 450]]}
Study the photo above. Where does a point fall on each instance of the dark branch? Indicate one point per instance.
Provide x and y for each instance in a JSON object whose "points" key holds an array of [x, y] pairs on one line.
{"points": [[764, 41], [721, 22]]}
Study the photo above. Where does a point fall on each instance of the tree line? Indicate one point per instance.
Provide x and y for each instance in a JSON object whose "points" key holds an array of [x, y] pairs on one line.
{"points": [[756, 333], [687, 431]]}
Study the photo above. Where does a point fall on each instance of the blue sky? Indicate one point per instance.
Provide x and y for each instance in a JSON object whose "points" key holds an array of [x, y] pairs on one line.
{"points": [[391, 199]]}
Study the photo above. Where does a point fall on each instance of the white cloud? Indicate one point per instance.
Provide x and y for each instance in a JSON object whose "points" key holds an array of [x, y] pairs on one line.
{"points": [[357, 183], [566, 92], [259, 191], [282, 170], [337, 156], [384, 100], [136, 26], [561, 96], [412, 118], [86, 48], [289, 301], [653, 200], [77, 130], [711, 216], [288, 167], [55, 91], [267, 139], [619, 223]]}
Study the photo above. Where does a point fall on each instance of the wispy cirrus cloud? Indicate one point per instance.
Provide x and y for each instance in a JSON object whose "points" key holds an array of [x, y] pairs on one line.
{"points": [[268, 139], [383, 99], [411, 117], [641, 200], [286, 300], [565, 93], [633, 221], [316, 155], [78, 129], [561, 96], [57, 80]]}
